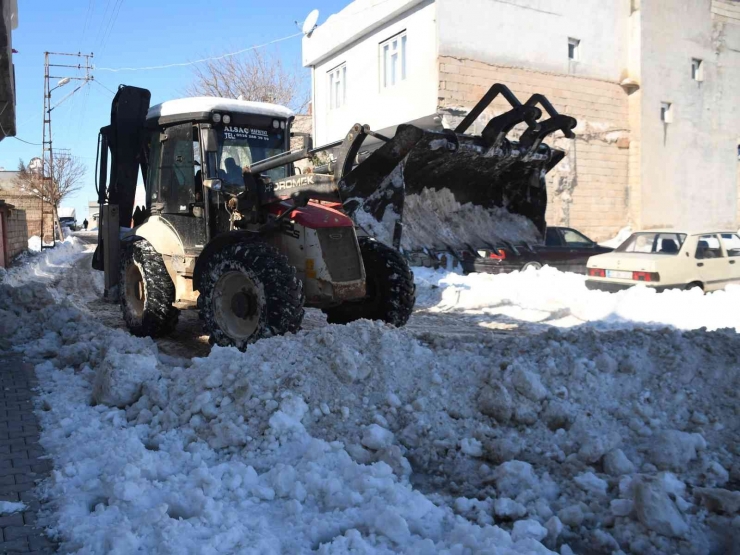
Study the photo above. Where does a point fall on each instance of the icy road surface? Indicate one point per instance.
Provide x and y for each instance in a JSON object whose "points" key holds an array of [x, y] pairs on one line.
{"points": [[590, 426]]}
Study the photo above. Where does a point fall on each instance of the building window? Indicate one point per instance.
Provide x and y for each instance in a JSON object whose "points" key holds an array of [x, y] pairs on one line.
{"points": [[574, 47], [697, 70], [338, 87], [666, 112], [393, 61]]}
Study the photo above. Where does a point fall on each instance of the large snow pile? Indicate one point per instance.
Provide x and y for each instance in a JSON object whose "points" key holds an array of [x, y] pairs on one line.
{"points": [[548, 297], [363, 439], [43, 266]]}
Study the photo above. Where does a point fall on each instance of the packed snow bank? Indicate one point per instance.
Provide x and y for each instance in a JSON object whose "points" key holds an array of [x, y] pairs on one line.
{"points": [[44, 266], [362, 439], [547, 296]]}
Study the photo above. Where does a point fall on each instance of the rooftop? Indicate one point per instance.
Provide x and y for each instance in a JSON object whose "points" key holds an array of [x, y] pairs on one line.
{"points": [[198, 104]]}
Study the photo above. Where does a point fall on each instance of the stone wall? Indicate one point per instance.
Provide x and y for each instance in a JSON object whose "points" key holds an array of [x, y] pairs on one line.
{"points": [[16, 233], [31, 206], [589, 189]]}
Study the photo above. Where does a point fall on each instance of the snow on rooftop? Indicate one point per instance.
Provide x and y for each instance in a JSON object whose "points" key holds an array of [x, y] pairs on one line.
{"points": [[356, 20], [209, 103]]}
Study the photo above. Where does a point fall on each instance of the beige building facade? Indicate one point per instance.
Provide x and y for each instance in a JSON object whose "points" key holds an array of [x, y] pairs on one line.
{"points": [[653, 83]]}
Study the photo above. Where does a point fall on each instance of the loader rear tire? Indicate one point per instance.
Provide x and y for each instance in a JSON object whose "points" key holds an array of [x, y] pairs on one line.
{"points": [[390, 288], [146, 291], [249, 291]]}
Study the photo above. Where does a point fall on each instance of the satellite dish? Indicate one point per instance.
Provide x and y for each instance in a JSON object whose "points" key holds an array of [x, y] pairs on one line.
{"points": [[310, 23]]}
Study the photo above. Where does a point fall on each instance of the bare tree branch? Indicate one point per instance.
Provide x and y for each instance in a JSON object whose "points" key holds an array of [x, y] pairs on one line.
{"points": [[257, 75], [66, 174]]}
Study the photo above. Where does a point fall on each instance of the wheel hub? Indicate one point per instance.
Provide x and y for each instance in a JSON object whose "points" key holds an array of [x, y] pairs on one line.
{"points": [[243, 304], [134, 289], [236, 305]]}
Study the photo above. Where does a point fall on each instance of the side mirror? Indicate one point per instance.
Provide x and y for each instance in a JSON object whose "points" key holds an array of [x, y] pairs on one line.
{"points": [[210, 147]]}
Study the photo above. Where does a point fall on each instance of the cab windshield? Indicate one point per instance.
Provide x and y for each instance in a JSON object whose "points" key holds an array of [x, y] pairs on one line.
{"points": [[240, 147], [653, 243]]}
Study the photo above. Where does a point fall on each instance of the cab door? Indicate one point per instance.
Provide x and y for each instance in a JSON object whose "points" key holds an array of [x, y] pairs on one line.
{"points": [[711, 262]]}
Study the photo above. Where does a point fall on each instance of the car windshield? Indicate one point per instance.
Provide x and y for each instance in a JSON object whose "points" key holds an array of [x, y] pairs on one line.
{"points": [[653, 243], [242, 146]]}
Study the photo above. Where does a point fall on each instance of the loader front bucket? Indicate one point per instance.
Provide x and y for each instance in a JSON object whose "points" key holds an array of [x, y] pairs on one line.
{"points": [[449, 191]]}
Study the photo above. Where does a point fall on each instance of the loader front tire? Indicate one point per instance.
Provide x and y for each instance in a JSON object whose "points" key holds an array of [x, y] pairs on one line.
{"points": [[146, 291], [249, 291], [390, 288]]}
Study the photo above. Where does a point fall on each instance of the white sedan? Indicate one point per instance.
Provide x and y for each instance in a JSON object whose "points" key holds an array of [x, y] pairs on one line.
{"points": [[668, 260]]}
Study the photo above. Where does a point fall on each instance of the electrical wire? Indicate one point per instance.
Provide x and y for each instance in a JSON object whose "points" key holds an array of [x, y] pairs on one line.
{"points": [[21, 140], [88, 17], [182, 64], [5, 133], [106, 88], [114, 16], [101, 33]]}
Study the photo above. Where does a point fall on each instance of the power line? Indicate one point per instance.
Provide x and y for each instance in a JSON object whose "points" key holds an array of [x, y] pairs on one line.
{"points": [[106, 88], [88, 16], [5, 133], [114, 16], [182, 64], [21, 140], [101, 33]]}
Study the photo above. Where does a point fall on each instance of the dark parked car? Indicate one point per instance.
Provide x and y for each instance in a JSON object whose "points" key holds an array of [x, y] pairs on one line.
{"points": [[566, 249]]}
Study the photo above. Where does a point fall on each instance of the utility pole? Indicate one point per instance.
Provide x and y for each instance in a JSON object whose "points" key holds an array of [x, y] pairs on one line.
{"points": [[47, 151]]}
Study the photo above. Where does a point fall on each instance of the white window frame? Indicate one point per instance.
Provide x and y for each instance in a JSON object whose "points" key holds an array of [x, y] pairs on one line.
{"points": [[393, 53], [697, 69], [336, 80], [666, 112], [576, 44]]}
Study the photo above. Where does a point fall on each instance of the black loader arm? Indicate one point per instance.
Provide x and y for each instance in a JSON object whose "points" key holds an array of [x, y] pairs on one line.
{"points": [[124, 137]]}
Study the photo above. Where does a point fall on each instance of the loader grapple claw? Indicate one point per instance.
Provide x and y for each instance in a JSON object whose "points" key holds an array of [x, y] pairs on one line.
{"points": [[453, 191]]}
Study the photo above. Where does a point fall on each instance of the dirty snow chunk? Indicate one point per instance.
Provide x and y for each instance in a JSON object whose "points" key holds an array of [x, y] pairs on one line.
{"points": [[120, 377], [524, 529], [657, 512], [716, 475], [571, 516], [673, 449], [592, 449], [513, 477], [589, 482], [506, 508], [9, 507], [288, 418], [392, 525], [495, 401], [621, 507], [528, 384], [471, 447], [606, 363], [554, 527], [376, 437], [616, 463], [719, 500]]}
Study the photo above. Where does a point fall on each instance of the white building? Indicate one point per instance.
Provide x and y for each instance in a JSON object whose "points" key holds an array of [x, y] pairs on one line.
{"points": [[653, 83]]}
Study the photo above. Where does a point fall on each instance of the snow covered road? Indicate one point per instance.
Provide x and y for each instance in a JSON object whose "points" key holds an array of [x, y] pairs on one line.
{"points": [[489, 425]]}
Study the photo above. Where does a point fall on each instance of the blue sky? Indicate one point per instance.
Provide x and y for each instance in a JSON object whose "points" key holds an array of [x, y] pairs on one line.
{"points": [[144, 33]]}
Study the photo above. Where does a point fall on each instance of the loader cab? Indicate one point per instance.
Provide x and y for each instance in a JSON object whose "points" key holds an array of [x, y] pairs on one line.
{"points": [[198, 148]]}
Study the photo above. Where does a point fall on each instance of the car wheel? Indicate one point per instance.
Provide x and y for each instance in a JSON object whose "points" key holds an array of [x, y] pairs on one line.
{"points": [[533, 265], [695, 285]]}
